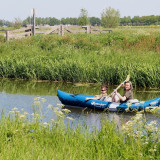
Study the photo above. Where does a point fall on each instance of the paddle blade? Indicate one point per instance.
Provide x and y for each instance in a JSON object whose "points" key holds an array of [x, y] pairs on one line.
{"points": [[127, 79]]}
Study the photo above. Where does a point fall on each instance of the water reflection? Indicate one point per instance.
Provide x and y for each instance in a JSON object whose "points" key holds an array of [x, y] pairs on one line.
{"points": [[20, 94]]}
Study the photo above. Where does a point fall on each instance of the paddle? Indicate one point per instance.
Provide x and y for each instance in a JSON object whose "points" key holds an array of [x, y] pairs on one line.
{"points": [[127, 79]]}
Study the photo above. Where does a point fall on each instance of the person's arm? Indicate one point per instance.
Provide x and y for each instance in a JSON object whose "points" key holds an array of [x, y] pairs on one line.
{"points": [[122, 98]]}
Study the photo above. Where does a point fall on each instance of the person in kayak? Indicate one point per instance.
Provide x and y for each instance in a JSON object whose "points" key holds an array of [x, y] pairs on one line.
{"points": [[128, 93], [102, 96]]}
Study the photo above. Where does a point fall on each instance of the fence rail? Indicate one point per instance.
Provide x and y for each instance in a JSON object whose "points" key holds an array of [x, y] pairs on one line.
{"points": [[59, 29]]}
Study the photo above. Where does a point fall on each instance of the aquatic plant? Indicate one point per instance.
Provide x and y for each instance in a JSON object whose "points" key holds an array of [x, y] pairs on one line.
{"points": [[84, 58]]}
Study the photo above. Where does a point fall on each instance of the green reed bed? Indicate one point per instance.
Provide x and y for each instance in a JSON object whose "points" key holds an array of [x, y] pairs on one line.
{"points": [[29, 136], [84, 58]]}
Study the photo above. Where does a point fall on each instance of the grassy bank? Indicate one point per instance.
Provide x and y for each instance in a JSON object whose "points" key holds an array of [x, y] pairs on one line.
{"points": [[85, 58], [25, 136]]}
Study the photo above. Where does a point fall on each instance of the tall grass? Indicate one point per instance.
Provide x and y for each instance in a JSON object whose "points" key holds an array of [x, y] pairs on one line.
{"points": [[84, 58], [25, 136]]}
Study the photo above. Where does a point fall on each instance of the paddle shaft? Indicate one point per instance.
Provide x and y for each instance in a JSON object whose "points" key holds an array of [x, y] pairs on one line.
{"points": [[127, 79], [115, 89]]}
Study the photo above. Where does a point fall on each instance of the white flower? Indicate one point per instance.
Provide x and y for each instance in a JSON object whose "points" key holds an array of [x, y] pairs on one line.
{"points": [[153, 122], [16, 112], [53, 121], [43, 100], [36, 98], [45, 123], [25, 113], [66, 110], [70, 118], [22, 116], [50, 106], [14, 109], [37, 103]]}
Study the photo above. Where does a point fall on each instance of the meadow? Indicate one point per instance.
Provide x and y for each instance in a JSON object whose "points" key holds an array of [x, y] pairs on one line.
{"points": [[93, 58]]}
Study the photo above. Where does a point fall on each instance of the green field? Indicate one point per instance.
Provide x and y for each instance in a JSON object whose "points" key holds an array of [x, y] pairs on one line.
{"points": [[86, 58]]}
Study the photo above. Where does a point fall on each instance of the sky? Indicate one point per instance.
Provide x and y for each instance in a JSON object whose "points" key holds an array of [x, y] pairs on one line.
{"points": [[11, 9]]}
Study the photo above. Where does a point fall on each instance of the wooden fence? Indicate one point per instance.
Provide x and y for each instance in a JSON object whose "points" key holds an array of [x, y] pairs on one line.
{"points": [[59, 29]]}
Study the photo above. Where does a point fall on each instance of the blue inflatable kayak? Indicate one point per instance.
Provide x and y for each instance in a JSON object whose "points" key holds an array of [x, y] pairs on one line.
{"points": [[78, 100]]}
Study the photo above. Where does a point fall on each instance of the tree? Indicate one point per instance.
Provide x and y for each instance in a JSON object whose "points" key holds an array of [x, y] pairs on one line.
{"points": [[17, 23], [125, 20], [110, 17], [136, 20], [72, 21], [95, 21], [83, 18]]}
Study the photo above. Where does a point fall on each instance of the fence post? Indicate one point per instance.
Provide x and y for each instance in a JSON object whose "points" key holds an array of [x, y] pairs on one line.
{"points": [[7, 35], [61, 30], [34, 22], [88, 29]]}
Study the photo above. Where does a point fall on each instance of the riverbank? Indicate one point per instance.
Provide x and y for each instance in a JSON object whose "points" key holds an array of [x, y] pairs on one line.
{"points": [[105, 58], [25, 135]]}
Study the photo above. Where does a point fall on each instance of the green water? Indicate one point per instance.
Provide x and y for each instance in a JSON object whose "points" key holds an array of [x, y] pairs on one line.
{"points": [[48, 88], [20, 94]]}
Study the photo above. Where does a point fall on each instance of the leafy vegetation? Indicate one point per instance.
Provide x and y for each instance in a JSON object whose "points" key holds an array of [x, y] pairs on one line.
{"points": [[85, 58], [110, 18], [83, 18], [30, 136]]}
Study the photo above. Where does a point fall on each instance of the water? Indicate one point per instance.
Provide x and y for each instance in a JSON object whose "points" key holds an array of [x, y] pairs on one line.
{"points": [[21, 94]]}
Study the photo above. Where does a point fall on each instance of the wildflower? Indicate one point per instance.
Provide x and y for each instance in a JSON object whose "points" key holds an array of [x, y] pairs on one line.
{"points": [[37, 103], [49, 106], [145, 143], [70, 118], [55, 109], [25, 113], [14, 109], [153, 122], [11, 112], [43, 100], [16, 112], [60, 112], [22, 116], [53, 121], [45, 123], [36, 98], [60, 105], [139, 133], [22, 109], [66, 110], [35, 114]]}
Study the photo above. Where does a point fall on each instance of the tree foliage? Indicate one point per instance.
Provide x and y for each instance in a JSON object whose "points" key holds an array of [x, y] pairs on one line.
{"points": [[95, 21], [72, 21], [83, 18], [17, 23], [110, 17]]}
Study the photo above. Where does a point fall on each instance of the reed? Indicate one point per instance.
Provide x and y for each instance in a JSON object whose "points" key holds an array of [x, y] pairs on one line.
{"points": [[85, 58]]}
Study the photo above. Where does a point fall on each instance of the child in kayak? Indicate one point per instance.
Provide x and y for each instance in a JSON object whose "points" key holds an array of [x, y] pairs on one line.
{"points": [[102, 96], [128, 93]]}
